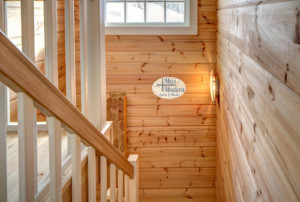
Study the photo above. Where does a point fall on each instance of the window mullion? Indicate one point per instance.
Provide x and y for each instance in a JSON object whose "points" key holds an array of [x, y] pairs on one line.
{"points": [[165, 12], [145, 11], [125, 11]]}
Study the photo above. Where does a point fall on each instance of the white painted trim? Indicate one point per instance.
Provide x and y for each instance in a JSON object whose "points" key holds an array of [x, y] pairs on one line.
{"points": [[51, 64], [28, 184], [55, 159], [92, 191], [103, 178], [70, 51], [2, 16], [13, 126], [27, 145], [134, 182], [76, 167], [3, 122], [3, 152], [112, 182], [120, 185], [190, 28], [27, 18], [96, 71], [102, 63], [126, 188], [83, 56]]}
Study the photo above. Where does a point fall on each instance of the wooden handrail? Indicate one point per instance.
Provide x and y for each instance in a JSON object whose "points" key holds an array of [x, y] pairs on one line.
{"points": [[19, 74]]}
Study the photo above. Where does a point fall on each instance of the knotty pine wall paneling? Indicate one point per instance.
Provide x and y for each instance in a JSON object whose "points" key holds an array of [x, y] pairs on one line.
{"points": [[175, 139], [258, 130]]}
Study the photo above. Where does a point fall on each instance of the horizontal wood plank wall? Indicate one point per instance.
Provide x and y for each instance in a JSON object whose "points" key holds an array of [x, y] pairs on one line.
{"points": [[258, 130], [176, 139]]}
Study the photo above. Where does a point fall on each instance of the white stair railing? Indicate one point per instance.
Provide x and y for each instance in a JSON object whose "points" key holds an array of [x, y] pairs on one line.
{"points": [[34, 91]]}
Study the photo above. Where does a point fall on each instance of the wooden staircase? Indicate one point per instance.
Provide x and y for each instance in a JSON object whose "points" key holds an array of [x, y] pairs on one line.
{"points": [[88, 127]]}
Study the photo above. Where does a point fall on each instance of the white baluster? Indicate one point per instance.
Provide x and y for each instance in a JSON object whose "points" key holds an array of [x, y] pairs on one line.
{"points": [[28, 185], [3, 123], [73, 140], [92, 174], [76, 168], [27, 147], [103, 178], [126, 188], [70, 56], [54, 126], [70, 51], [3, 153], [84, 97], [55, 159], [112, 182], [92, 44], [120, 185]]}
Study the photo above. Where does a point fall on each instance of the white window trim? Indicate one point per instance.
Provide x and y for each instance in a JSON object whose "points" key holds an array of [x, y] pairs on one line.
{"points": [[189, 28]]}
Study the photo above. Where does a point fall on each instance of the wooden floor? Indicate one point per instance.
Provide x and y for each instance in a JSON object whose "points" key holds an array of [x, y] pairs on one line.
{"points": [[13, 160]]}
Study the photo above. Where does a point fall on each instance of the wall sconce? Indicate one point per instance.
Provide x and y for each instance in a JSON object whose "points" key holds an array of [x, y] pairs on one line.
{"points": [[214, 86]]}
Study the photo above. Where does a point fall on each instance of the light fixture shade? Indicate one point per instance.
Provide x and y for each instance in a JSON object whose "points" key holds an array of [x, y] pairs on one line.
{"points": [[214, 86]]}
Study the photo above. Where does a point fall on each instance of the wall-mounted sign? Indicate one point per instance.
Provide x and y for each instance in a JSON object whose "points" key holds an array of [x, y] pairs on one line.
{"points": [[168, 88]]}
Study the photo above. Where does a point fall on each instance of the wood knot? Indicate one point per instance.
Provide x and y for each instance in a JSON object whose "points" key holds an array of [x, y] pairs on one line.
{"points": [[254, 127], [250, 92], [271, 92]]}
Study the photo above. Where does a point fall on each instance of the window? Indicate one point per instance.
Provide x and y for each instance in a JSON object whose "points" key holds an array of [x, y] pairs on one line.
{"points": [[158, 17]]}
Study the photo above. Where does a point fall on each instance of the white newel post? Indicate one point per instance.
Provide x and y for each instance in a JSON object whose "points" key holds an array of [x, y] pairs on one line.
{"points": [[134, 182]]}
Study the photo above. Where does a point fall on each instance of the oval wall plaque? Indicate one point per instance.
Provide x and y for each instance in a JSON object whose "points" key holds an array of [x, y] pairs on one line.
{"points": [[168, 88]]}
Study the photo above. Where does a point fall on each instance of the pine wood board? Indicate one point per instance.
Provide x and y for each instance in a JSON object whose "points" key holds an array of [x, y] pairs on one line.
{"points": [[177, 178], [248, 121], [202, 139], [177, 162], [159, 69], [160, 57], [276, 48], [155, 121], [151, 99], [173, 152], [147, 88], [178, 195], [201, 79], [170, 110]]}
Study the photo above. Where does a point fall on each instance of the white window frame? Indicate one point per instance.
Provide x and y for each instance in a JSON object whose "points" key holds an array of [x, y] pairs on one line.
{"points": [[190, 27]]}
